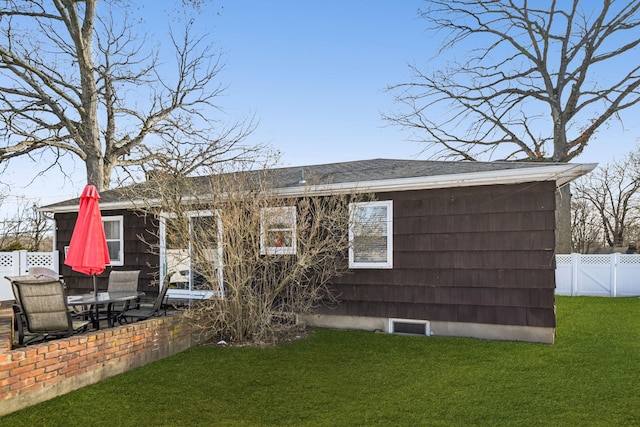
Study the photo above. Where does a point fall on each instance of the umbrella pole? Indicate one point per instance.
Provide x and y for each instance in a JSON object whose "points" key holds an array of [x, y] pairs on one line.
{"points": [[95, 286]]}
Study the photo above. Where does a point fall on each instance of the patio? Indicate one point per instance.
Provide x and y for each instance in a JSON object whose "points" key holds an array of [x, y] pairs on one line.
{"points": [[5, 325]]}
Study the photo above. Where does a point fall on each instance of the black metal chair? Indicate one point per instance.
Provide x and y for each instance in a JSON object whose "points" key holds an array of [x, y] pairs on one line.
{"points": [[121, 281], [146, 312], [24, 337], [41, 310]]}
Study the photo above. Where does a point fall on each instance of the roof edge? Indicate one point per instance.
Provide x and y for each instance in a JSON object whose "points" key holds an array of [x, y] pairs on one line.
{"points": [[560, 173]]}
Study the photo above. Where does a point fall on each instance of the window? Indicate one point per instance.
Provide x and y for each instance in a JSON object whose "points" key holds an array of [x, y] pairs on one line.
{"points": [[278, 231], [194, 269], [205, 227], [371, 235], [113, 231]]}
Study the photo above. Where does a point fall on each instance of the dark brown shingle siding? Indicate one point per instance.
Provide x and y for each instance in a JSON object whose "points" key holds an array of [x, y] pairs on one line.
{"points": [[476, 254], [137, 255]]}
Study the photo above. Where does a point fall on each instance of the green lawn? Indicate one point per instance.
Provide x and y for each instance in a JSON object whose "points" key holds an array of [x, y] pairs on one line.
{"points": [[591, 376]]}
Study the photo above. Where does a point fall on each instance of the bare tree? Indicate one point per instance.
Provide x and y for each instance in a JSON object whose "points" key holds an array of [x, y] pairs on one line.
{"points": [[586, 226], [27, 229], [266, 258], [612, 190], [527, 81], [77, 80], [3, 194], [536, 82]]}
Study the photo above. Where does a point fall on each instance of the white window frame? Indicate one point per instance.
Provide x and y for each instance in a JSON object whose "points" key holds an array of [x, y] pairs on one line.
{"points": [[190, 293], [353, 207], [120, 220], [290, 213], [219, 249]]}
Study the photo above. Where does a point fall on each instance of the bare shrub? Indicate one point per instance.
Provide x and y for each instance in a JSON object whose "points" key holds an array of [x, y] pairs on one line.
{"points": [[264, 256]]}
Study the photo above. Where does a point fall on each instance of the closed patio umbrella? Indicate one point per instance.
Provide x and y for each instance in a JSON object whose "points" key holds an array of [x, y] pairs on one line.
{"points": [[88, 252]]}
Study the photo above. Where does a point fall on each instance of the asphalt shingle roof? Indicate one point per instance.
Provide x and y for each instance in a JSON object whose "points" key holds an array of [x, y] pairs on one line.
{"points": [[350, 172]]}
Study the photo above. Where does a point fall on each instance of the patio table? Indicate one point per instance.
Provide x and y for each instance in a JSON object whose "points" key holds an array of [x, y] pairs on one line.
{"points": [[94, 301]]}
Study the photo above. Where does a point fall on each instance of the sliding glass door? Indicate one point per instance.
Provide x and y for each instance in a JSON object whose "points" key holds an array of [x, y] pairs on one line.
{"points": [[191, 254]]}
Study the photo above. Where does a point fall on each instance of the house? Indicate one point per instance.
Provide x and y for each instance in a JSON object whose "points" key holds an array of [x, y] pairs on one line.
{"points": [[465, 248]]}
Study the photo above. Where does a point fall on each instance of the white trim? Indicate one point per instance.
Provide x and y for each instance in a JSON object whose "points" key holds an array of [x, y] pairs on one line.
{"points": [[219, 252], [388, 204], [290, 213], [191, 293], [392, 321], [561, 174], [120, 219]]}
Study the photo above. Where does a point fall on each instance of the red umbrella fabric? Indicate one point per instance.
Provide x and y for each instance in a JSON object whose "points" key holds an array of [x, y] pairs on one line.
{"points": [[88, 252]]}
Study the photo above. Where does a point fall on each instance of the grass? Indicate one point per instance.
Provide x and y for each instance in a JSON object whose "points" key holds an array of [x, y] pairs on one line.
{"points": [[591, 376]]}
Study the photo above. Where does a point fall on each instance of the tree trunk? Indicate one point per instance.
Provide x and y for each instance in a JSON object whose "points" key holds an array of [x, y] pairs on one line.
{"points": [[95, 171], [82, 33]]}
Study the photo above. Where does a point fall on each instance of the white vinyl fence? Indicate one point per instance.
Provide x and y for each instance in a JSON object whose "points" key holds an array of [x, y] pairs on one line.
{"points": [[607, 275], [18, 263]]}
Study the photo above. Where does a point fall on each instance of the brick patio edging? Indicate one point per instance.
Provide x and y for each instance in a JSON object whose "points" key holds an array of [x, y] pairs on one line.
{"points": [[36, 373]]}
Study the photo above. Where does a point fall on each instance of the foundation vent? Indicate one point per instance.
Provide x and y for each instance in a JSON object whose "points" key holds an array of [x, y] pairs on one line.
{"points": [[409, 327]]}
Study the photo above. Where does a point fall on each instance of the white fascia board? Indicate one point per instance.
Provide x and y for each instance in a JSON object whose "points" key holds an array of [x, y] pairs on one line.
{"points": [[561, 174], [108, 206]]}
